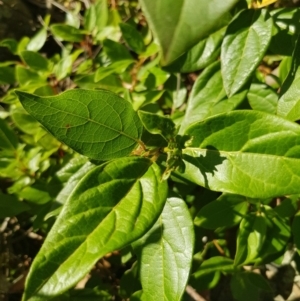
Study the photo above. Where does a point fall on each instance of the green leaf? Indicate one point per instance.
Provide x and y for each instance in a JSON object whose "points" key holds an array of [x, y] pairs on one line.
{"points": [[73, 181], [116, 51], [35, 60], [227, 153], [188, 22], [289, 101], [245, 43], [113, 205], [11, 44], [96, 16], [288, 207], [247, 286], [262, 98], [23, 121], [165, 253], [7, 75], [156, 124], [26, 77], [132, 37], [250, 239], [226, 211], [208, 97], [278, 235], [116, 67], [296, 232], [214, 264], [8, 139], [67, 33], [98, 124], [10, 206], [199, 56], [38, 40]]}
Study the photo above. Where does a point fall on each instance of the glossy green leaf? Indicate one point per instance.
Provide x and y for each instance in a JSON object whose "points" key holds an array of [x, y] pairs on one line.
{"points": [[98, 124], [227, 153], [208, 97], [226, 211], [8, 139], [38, 40], [133, 38], [199, 56], [179, 26], [67, 33], [250, 239], [156, 124], [213, 264], [278, 235], [113, 205], [10, 206], [165, 253], [288, 207], [246, 41], [262, 98], [34, 60], [289, 101]]}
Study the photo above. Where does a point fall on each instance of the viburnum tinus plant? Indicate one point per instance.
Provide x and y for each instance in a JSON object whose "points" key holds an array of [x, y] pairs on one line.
{"points": [[188, 137]]}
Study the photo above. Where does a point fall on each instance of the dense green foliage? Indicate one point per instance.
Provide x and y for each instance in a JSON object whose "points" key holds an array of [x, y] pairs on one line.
{"points": [[163, 132]]}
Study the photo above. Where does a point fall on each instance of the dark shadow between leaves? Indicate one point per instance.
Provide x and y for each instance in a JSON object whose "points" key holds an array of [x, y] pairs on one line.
{"points": [[206, 164]]}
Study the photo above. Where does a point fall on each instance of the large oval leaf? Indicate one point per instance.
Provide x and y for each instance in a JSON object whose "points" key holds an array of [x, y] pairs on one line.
{"points": [[245, 152], [165, 253], [98, 124], [245, 43], [113, 205], [180, 25]]}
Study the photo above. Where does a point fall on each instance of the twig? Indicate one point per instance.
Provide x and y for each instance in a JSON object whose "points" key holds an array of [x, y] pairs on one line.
{"points": [[193, 294]]}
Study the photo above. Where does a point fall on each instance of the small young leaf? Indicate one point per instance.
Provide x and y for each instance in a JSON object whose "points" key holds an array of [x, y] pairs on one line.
{"points": [[165, 253], [213, 264], [113, 205], [250, 239], [296, 232], [132, 37], [35, 60], [156, 124], [226, 211], [7, 75], [38, 40], [228, 150], [8, 139], [245, 43], [67, 33], [98, 124], [10, 206]]}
